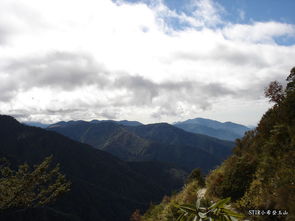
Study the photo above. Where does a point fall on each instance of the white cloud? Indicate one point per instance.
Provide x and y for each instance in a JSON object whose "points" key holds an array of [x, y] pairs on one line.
{"points": [[101, 59], [208, 12], [259, 32]]}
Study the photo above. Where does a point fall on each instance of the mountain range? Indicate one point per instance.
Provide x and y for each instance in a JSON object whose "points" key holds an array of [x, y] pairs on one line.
{"points": [[160, 142], [103, 186], [225, 131], [115, 166], [221, 130]]}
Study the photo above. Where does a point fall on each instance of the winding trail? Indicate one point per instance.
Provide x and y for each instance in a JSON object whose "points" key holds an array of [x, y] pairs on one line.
{"points": [[201, 192]]}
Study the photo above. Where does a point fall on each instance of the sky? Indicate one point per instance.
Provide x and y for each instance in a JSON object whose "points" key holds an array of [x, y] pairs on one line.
{"points": [[151, 61]]}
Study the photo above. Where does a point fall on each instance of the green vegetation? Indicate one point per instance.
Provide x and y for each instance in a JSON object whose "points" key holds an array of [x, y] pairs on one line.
{"points": [[218, 211], [259, 174], [188, 204], [166, 210], [196, 175], [29, 188]]}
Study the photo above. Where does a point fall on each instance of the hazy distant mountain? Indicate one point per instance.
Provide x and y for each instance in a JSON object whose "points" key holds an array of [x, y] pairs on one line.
{"points": [[103, 187], [121, 122], [161, 142], [225, 131], [129, 123], [35, 124]]}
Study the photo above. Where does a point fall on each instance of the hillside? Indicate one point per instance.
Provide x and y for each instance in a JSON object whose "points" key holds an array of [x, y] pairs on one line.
{"points": [[225, 131], [161, 142], [167, 134], [103, 187], [259, 174], [131, 147]]}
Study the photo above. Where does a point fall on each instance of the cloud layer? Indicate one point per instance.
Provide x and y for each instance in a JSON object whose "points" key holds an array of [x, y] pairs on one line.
{"points": [[141, 61]]}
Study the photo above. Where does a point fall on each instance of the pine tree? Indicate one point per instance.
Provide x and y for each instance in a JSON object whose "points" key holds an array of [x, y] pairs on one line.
{"points": [[29, 187]]}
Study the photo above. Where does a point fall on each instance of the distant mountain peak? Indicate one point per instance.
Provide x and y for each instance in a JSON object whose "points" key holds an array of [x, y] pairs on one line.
{"points": [[223, 130]]}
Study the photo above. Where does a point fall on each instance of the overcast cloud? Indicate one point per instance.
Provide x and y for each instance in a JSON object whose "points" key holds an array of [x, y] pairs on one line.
{"points": [[64, 60]]}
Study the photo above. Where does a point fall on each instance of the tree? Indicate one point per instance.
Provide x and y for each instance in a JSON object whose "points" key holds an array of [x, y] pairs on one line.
{"points": [[30, 187], [196, 175], [275, 92], [291, 81], [260, 173]]}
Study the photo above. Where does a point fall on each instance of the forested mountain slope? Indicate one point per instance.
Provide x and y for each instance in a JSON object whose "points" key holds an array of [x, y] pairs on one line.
{"points": [[160, 142], [260, 173], [103, 187]]}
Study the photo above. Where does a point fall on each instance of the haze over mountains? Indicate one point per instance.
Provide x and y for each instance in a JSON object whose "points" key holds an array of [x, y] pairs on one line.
{"points": [[225, 131], [221, 130], [160, 142]]}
